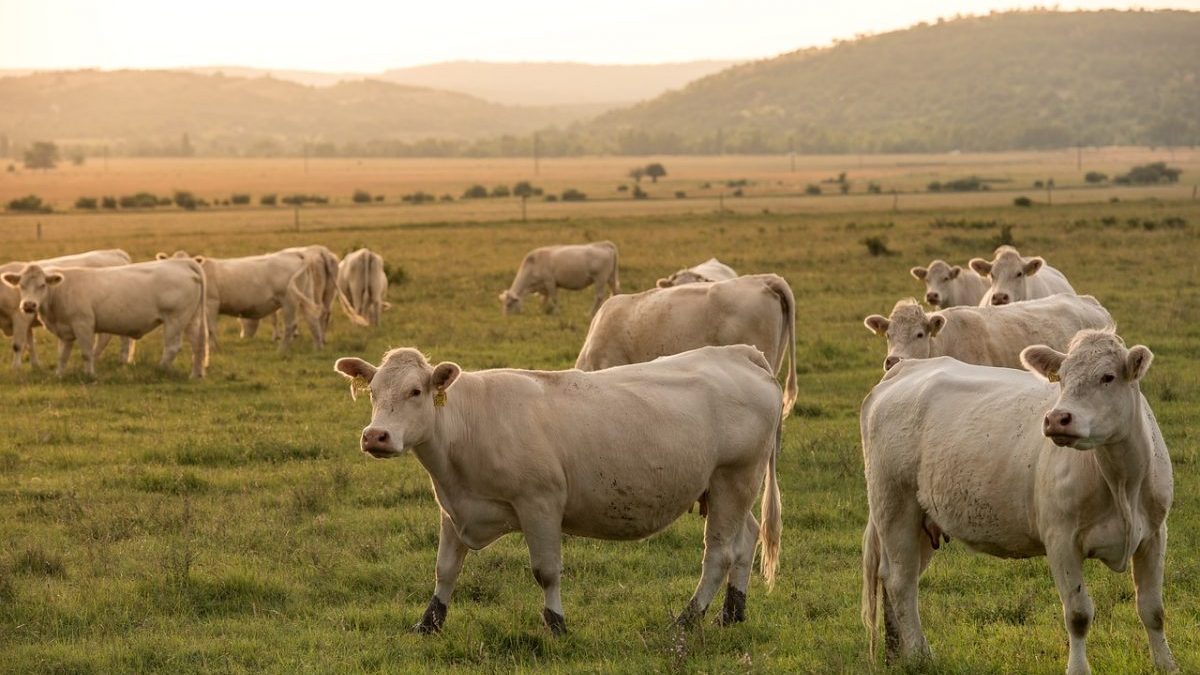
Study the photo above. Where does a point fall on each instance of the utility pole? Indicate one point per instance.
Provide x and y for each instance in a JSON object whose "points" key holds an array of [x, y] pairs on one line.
{"points": [[1079, 158], [537, 149]]}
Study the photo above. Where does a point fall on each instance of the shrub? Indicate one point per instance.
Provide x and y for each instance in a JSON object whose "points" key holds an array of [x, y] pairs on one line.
{"points": [[418, 197], [475, 192], [812, 189], [1022, 201], [622, 188], [573, 195], [680, 194], [1005, 237], [501, 191], [240, 199], [86, 203], [184, 200], [108, 202], [268, 200], [164, 201], [741, 182], [300, 199], [934, 187], [29, 204], [551, 198], [1038, 184], [639, 193], [378, 198], [1095, 177], [361, 197], [141, 200], [1149, 174], [447, 198], [874, 189], [395, 274], [738, 192], [877, 246]]}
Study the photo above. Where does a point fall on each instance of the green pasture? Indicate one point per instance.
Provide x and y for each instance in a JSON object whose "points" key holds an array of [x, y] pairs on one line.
{"points": [[152, 523]]}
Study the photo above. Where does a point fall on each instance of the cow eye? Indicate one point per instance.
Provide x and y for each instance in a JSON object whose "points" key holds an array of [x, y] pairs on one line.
{"points": [[414, 393], [920, 335], [1108, 377], [1019, 274]]}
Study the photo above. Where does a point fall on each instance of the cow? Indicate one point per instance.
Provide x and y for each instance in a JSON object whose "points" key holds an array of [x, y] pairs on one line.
{"points": [[709, 270], [756, 309], [362, 287], [1017, 279], [255, 287], [987, 335], [573, 267], [1067, 463], [949, 285], [324, 269], [618, 454], [76, 303], [20, 324]]}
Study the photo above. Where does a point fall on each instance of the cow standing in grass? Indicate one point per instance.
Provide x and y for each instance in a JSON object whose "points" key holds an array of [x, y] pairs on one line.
{"points": [[575, 267], [709, 270], [949, 285], [362, 286], [1017, 279]]}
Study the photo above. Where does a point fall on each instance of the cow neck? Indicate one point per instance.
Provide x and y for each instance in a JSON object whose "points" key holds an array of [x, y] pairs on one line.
{"points": [[449, 431], [1124, 465]]}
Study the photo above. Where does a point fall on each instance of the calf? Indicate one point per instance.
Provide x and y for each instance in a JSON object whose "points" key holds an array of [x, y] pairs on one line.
{"points": [[575, 267]]}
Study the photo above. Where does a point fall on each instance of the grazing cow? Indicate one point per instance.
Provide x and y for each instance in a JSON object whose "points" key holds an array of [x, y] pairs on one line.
{"points": [[709, 270], [982, 455], [575, 267], [756, 309], [362, 286], [988, 335], [20, 324], [950, 286], [76, 303], [1017, 279], [324, 269], [619, 454], [255, 287]]}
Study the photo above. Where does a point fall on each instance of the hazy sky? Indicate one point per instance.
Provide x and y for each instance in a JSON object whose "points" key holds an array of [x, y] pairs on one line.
{"points": [[362, 36]]}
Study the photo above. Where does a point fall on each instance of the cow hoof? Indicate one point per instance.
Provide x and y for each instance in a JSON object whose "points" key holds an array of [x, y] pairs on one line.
{"points": [[555, 622], [734, 610], [432, 620], [690, 615]]}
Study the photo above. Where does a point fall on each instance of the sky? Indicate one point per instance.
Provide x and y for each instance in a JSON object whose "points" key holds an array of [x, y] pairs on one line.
{"points": [[372, 36]]}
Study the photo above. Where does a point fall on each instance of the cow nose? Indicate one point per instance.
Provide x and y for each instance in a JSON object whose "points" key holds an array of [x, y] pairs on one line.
{"points": [[1057, 420], [890, 361], [29, 307], [932, 298], [1000, 299], [376, 439]]}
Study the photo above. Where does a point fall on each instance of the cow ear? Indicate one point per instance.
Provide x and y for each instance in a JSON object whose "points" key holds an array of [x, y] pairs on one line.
{"points": [[663, 283], [1137, 362], [54, 278], [357, 370], [1042, 360], [444, 375], [1033, 265], [877, 324], [503, 296], [161, 256], [955, 271], [11, 279], [919, 272], [981, 266], [936, 323]]}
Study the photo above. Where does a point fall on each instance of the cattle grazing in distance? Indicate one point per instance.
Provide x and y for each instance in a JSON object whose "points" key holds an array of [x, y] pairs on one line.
{"points": [[950, 285], [573, 267], [255, 287], [709, 270], [1017, 279], [618, 454], [991, 335], [76, 303], [20, 324], [362, 286], [1070, 465], [323, 266], [756, 309]]}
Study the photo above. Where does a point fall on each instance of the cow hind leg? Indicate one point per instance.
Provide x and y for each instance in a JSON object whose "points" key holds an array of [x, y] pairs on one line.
{"points": [[289, 323], [249, 327], [902, 537], [128, 349], [451, 553], [172, 341], [734, 609], [543, 534], [87, 347], [728, 503], [64, 353]]}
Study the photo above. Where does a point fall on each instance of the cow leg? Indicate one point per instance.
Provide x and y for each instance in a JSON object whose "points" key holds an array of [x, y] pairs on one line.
{"points": [[728, 504], [902, 537], [1147, 581], [451, 553], [16, 354], [289, 322], [87, 347], [64, 353], [102, 340], [128, 349], [543, 534], [249, 327], [1066, 566], [30, 346], [172, 341], [550, 299], [734, 610], [314, 327], [600, 294]]}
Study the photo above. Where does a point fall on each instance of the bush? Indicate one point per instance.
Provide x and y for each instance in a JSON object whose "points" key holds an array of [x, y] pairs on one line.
{"points": [[639, 193], [1005, 237], [844, 186], [551, 198], [240, 199], [680, 194], [378, 198], [418, 197], [1149, 174], [86, 203], [361, 197], [1038, 184], [1022, 201], [184, 200], [573, 195], [447, 198], [877, 246], [738, 192], [1095, 177], [164, 201], [501, 191], [812, 189], [301, 199], [268, 200], [741, 182], [108, 202], [475, 192], [141, 200], [396, 275], [874, 189], [29, 204], [622, 188]]}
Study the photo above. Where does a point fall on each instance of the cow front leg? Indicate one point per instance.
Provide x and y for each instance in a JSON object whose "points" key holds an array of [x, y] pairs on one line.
{"points": [[600, 294], [64, 353], [128, 350], [87, 347], [1066, 566], [451, 553], [543, 533], [248, 328], [550, 300], [1147, 581]]}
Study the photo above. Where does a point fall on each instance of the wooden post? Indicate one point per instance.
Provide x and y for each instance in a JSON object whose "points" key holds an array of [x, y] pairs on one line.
{"points": [[895, 200], [524, 199], [537, 147], [1049, 193], [39, 230], [1079, 158], [721, 204], [296, 213]]}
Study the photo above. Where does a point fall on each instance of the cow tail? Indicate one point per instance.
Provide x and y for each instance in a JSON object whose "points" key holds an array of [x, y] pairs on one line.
{"points": [[304, 297], [200, 323], [788, 335], [614, 282], [870, 589], [348, 304], [770, 532]]}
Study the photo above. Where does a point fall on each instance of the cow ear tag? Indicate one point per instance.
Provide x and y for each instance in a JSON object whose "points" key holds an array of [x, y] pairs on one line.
{"points": [[1053, 376], [439, 398], [358, 385]]}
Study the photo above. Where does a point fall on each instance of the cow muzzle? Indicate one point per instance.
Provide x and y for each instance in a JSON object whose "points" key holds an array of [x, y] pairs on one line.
{"points": [[29, 307], [933, 298], [378, 443], [890, 362], [1000, 299], [1059, 426]]}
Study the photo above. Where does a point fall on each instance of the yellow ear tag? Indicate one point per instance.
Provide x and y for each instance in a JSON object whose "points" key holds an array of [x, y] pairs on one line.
{"points": [[358, 385], [1053, 376], [439, 398]]}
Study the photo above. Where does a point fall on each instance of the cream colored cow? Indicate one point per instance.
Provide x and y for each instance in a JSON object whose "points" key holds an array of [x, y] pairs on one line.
{"points": [[1017, 279], [757, 309], [362, 287], [991, 335], [323, 268], [709, 270], [76, 303], [573, 267], [1016, 466], [617, 454], [949, 285]]}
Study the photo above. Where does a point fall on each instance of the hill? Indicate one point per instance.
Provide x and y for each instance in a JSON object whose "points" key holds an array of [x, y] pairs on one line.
{"points": [[1036, 79]]}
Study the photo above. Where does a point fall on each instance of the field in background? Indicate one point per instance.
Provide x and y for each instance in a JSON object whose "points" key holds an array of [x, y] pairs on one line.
{"points": [[151, 523]]}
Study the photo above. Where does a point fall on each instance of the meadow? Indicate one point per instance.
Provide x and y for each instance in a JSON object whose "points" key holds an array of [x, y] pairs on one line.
{"points": [[152, 523]]}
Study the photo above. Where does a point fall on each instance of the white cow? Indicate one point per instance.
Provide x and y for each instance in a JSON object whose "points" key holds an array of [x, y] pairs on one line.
{"points": [[255, 287], [574, 267], [1015, 466], [362, 286], [20, 324], [949, 285], [76, 303], [323, 269], [1017, 279], [709, 270], [619, 454], [756, 309], [991, 335]]}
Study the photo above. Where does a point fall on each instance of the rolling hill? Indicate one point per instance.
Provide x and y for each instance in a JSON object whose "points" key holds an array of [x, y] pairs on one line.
{"points": [[1034, 79]]}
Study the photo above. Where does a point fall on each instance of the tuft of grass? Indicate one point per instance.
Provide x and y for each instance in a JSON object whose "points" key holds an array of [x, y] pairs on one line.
{"points": [[36, 561]]}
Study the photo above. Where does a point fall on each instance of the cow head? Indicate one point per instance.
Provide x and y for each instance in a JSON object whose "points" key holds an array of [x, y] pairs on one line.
{"points": [[510, 303], [34, 285], [178, 254], [939, 282], [1009, 272], [908, 330], [1099, 391], [682, 277], [404, 392]]}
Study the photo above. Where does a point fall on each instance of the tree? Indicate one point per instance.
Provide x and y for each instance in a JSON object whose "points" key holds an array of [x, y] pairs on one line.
{"points": [[185, 146], [636, 173], [43, 155], [655, 171]]}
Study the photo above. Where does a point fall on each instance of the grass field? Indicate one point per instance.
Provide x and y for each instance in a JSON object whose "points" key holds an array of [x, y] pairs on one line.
{"points": [[151, 523]]}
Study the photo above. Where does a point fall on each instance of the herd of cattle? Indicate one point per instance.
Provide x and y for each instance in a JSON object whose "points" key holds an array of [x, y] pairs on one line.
{"points": [[675, 401]]}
